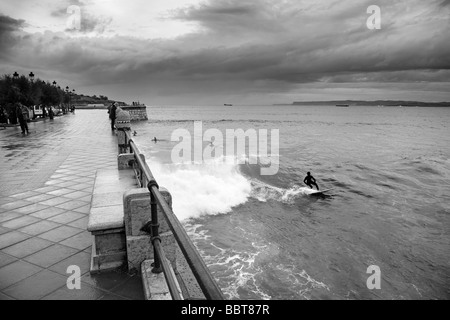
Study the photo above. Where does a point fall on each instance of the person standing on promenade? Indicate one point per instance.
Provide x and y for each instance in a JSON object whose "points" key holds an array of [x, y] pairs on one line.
{"points": [[112, 115], [50, 113], [22, 116]]}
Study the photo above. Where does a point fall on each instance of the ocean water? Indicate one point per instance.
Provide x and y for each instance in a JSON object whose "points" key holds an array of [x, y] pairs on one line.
{"points": [[264, 237]]}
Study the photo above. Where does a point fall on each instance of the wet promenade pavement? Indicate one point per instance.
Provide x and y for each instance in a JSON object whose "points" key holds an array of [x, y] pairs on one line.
{"points": [[46, 182]]}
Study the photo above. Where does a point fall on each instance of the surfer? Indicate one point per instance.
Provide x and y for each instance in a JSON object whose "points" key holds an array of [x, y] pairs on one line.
{"points": [[310, 181]]}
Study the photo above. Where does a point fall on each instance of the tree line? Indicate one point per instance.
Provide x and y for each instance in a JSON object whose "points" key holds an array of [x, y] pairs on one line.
{"points": [[29, 92]]}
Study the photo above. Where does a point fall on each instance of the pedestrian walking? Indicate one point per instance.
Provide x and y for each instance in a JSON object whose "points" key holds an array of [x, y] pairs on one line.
{"points": [[22, 116]]}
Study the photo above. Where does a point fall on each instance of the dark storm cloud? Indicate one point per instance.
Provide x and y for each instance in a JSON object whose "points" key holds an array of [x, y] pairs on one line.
{"points": [[8, 24], [259, 46], [301, 44], [407, 76], [228, 16]]}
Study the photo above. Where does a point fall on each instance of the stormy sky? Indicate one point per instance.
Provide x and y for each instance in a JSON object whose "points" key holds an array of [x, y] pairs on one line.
{"points": [[232, 51]]}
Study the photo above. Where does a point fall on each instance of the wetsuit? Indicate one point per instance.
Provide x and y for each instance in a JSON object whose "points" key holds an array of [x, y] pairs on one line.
{"points": [[310, 182]]}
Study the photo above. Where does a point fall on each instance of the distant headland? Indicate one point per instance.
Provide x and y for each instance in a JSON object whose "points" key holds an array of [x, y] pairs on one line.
{"points": [[382, 103]]}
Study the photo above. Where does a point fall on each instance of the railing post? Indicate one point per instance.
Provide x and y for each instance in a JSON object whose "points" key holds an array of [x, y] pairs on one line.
{"points": [[198, 267], [157, 268]]}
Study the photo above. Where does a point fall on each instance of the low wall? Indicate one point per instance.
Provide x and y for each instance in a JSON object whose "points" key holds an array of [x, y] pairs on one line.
{"points": [[136, 112]]}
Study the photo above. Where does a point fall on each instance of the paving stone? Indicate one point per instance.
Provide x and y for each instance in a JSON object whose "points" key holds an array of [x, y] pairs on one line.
{"points": [[84, 180], [24, 195], [80, 241], [60, 233], [27, 247], [36, 286], [14, 205], [4, 230], [84, 209], [86, 292], [4, 297], [11, 238], [71, 205], [16, 271], [68, 177], [107, 280], [81, 259], [31, 208], [76, 194], [47, 213], [55, 201], [46, 189], [87, 198], [54, 182], [60, 192], [39, 227], [6, 259], [19, 222], [40, 197], [9, 216], [66, 217], [88, 189], [81, 186], [80, 223], [131, 288], [57, 176], [67, 184], [51, 255], [110, 296], [4, 200]]}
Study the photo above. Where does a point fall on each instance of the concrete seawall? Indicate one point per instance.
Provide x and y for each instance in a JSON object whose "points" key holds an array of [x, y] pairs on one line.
{"points": [[137, 112]]}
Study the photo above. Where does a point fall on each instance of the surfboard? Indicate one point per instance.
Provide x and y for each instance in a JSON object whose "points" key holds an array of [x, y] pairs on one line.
{"points": [[320, 192]]}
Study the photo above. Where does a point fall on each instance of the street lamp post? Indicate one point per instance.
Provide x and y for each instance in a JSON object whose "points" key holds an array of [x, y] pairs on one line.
{"points": [[67, 91], [73, 107]]}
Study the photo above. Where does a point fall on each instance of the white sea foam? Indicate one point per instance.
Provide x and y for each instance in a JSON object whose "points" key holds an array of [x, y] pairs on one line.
{"points": [[211, 188], [264, 192], [215, 187], [238, 270], [299, 281]]}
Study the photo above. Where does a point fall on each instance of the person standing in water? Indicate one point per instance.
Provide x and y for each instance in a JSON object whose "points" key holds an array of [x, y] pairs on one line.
{"points": [[310, 181]]}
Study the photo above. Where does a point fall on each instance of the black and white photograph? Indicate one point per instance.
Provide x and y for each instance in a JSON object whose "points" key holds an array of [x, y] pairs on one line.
{"points": [[248, 152]]}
